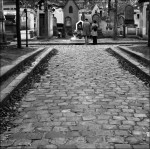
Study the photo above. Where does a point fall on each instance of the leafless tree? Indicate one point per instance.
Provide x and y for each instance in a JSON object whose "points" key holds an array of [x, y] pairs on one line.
{"points": [[32, 3], [149, 27]]}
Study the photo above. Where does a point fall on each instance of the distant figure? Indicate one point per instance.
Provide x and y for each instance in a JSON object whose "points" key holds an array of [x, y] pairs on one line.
{"points": [[59, 34], [86, 30], [80, 31], [94, 32]]}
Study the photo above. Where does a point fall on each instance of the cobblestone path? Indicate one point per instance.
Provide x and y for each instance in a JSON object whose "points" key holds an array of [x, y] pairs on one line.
{"points": [[84, 100]]}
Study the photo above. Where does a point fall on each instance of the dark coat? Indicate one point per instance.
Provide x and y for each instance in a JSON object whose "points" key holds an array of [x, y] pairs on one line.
{"points": [[86, 28]]}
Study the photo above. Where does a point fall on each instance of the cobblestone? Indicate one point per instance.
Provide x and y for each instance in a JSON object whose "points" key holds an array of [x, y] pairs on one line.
{"points": [[133, 119], [143, 123], [121, 133], [67, 147], [125, 127], [119, 117], [89, 117], [38, 143], [83, 100], [7, 143], [53, 134], [128, 122], [109, 126], [116, 139], [132, 140], [22, 142], [50, 146], [137, 133], [123, 146], [58, 141], [104, 117], [140, 115], [141, 146]]}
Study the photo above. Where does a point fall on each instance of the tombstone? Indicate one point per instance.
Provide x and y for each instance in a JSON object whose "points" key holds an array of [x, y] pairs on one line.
{"points": [[131, 30], [79, 24], [121, 29], [129, 15], [68, 22], [79, 28], [68, 26], [121, 21]]}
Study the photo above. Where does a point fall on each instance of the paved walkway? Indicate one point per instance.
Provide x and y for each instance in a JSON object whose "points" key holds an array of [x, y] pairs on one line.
{"points": [[84, 100]]}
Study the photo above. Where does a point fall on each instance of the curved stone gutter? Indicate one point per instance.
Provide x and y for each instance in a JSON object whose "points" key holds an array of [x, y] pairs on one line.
{"points": [[135, 54], [21, 78], [139, 70]]}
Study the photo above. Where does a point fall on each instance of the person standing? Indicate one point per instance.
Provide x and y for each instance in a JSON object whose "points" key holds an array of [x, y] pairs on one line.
{"points": [[94, 32], [86, 30], [80, 30]]}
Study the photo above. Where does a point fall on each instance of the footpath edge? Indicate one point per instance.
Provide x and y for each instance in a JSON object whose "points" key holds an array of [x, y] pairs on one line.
{"points": [[5, 93], [133, 63]]}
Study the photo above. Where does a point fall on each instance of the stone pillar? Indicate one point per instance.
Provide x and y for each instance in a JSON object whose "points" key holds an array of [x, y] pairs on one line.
{"points": [[2, 24], [50, 24], [144, 19], [141, 21], [37, 22]]}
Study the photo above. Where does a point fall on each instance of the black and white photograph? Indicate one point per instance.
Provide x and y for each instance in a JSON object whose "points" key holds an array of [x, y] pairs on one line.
{"points": [[75, 74]]}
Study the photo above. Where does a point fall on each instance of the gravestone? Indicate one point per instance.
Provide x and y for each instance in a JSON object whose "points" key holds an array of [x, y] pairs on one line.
{"points": [[121, 25], [68, 26], [121, 21], [79, 24], [68, 21], [129, 15]]}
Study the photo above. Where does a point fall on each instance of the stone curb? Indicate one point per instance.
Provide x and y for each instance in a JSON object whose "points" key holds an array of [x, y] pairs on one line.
{"points": [[138, 55], [132, 62], [82, 43], [7, 70], [5, 93]]}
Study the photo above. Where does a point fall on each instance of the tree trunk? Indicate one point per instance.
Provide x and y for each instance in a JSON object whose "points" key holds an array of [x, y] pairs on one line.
{"points": [[109, 6], [149, 27], [46, 19], [115, 21], [18, 23]]}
